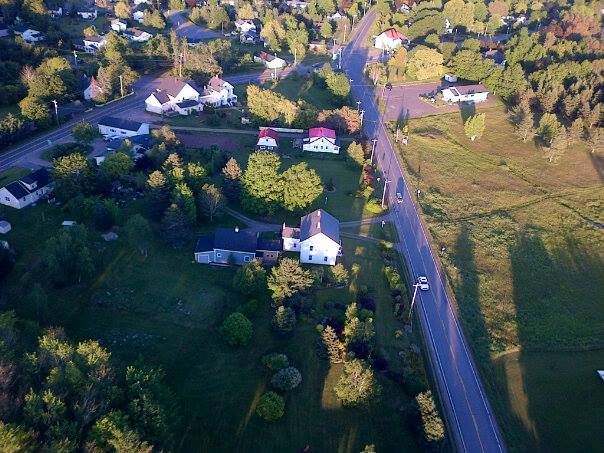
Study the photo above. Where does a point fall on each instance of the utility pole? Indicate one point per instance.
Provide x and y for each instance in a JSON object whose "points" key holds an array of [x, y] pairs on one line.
{"points": [[295, 56], [412, 303], [344, 40], [180, 58], [75, 58], [386, 182], [340, 59], [362, 115], [358, 106], [56, 110], [373, 147], [122, 85]]}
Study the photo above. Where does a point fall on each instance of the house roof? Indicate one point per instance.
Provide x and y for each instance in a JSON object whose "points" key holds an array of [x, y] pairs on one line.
{"points": [[119, 21], [205, 244], [144, 141], [271, 245], [120, 123], [161, 96], [95, 88], [19, 188], [94, 38], [173, 86], [315, 132], [187, 103], [319, 221], [216, 83], [236, 241], [393, 34], [268, 132], [496, 55], [290, 232], [267, 56], [468, 89]]}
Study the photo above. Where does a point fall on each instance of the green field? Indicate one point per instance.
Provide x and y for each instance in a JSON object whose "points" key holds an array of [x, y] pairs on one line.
{"points": [[12, 174], [166, 310], [525, 261], [307, 89]]}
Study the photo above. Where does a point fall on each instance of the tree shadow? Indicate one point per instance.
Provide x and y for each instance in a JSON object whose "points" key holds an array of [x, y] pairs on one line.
{"points": [[466, 110], [597, 160]]}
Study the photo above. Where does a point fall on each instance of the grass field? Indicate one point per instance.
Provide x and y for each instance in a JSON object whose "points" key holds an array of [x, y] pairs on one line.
{"points": [[307, 89], [525, 261], [167, 310], [12, 174]]}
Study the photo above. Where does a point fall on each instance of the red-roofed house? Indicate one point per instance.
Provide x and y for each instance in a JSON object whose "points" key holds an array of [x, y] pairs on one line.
{"points": [[390, 40], [321, 140], [268, 139]]}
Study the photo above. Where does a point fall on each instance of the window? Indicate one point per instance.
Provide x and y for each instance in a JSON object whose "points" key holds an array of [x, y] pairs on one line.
{"points": [[325, 259], [247, 259], [309, 257], [295, 245], [218, 255], [312, 247]]}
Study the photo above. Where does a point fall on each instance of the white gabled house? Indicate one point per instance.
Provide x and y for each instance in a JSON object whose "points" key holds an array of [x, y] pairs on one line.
{"points": [[29, 35], [93, 43], [119, 25], [466, 93], [390, 40], [110, 126], [27, 190], [174, 95], [268, 139], [87, 13], [245, 26], [317, 239], [218, 93], [321, 140], [139, 2], [136, 35], [93, 90], [270, 61], [138, 16]]}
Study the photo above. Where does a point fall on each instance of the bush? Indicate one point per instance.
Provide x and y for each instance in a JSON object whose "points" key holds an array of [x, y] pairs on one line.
{"points": [[432, 424], [271, 407], [66, 149], [275, 361], [237, 329], [374, 206], [393, 277], [249, 308], [286, 379], [284, 320]]}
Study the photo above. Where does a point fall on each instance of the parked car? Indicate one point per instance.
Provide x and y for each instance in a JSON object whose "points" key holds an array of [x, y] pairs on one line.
{"points": [[399, 197], [422, 281]]}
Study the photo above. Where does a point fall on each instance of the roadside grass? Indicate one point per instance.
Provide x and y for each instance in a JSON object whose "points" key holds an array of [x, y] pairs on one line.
{"points": [[73, 27], [386, 233], [521, 256], [307, 89], [167, 310], [12, 174]]}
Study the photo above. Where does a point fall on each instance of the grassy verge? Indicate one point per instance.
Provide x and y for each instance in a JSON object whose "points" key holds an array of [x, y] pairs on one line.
{"points": [[518, 247]]}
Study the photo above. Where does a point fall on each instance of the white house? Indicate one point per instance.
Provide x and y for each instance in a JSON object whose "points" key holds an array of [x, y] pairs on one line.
{"points": [[136, 35], [450, 77], [110, 126], [317, 240], [87, 13], [321, 140], [29, 35], [466, 93], [270, 61], [335, 16], [138, 16], [174, 95], [218, 93], [93, 90], [93, 43], [119, 25], [296, 4], [26, 190], [268, 139], [390, 40], [226, 246], [139, 2], [244, 26]]}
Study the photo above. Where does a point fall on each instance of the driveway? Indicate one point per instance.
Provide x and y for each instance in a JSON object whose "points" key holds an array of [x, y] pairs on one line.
{"points": [[404, 101], [187, 29]]}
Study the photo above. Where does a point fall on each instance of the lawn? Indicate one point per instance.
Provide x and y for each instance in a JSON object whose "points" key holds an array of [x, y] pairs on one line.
{"points": [[12, 174], [166, 310], [523, 257], [307, 89]]}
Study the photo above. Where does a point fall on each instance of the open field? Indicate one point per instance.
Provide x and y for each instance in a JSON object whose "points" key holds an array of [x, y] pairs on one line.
{"points": [[524, 259], [167, 310], [307, 89]]}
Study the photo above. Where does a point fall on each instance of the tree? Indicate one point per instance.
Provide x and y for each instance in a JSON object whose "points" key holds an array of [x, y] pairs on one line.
{"points": [[338, 84], [338, 274], [250, 279], [261, 183], [326, 7], [231, 174], [68, 257], [575, 132], [357, 386], [301, 186], [237, 329], [432, 425], [459, 13], [182, 195], [154, 19], [122, 10], [548, 127], [159, 195], [245, 12], [286, 379], [211, 200], [425, 63], [71, 176], [344, 119], [558, 145], [326, 30], [284, 319], [357, 329], [333, 345], [398, 63], [271, 407], [275, 361], [287, 279], [35, 110], [474, 126], [84, 133], [138, 232], [174, 226], [116, 166], [176, 4], [356, 153], [595, 139], [470, 65], [15, 439], [524, 123]]}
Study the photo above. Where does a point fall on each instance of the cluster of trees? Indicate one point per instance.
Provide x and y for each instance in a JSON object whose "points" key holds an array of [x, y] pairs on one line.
{"points": [[271, 405], [265, 189], [61, 396]]}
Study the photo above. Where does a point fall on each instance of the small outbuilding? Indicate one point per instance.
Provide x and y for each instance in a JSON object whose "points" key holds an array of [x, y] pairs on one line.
{"points": [[466, 93]]}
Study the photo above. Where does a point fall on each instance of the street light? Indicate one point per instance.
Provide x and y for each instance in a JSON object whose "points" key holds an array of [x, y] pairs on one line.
{"points": [[386, 181], [373, 149], [410, 320], [358, 106]]}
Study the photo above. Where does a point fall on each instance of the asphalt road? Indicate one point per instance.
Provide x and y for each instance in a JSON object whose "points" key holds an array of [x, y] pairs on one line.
{"points": [[469, 416]]}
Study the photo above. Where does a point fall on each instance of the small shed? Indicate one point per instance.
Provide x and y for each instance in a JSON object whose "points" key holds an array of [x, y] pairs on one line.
{"points": [[451, 78], [5, 227]]}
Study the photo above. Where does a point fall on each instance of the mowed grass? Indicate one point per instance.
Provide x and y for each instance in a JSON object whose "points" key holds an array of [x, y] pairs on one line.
{"points": [[308, 89], [167, 311], [12, 174], [522, 254]]}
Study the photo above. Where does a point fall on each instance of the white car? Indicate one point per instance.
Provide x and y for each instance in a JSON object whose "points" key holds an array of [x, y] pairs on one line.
{"points": [[422, 281], [399, 197]]}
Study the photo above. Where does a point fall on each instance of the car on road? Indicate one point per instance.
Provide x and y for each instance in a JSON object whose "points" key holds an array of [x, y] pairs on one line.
{"points": [[399, 197], [422, 281]]}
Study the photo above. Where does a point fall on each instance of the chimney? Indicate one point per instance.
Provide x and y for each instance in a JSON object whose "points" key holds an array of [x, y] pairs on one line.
{"points": [[236, 229]]}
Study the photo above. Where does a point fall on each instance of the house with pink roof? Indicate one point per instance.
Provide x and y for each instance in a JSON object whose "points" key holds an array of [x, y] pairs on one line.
{"points": [[321, 140], [268, 139], [390, 40]]}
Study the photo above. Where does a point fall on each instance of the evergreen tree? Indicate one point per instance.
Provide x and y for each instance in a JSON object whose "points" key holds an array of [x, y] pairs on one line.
{"points": [[284, 319], [250, 279], [357, 386], [159, 195], [183, 197], [333, 345], [138, 233], [356, 153], [174, 226], [210, 200], [68, 257], [231, 174], [287, 279]]}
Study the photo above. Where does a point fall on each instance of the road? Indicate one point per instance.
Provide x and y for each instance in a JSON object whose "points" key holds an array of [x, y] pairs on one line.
{"points": [[469, 416], [187, 29], [122, 108]]}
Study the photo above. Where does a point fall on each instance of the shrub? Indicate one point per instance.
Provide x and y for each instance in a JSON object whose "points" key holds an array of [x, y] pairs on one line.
{"points": [[275, 361], [249, 308], [286, 379], [271, 407], [393, 277], [237, 329], [284, 319], [432, 424], [374, 206]]}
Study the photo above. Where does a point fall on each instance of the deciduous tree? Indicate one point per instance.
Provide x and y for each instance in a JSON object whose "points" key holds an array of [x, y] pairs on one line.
{"points": [[357, 386], [474, 126], [301, 187], [287, 279], [211, 200]]}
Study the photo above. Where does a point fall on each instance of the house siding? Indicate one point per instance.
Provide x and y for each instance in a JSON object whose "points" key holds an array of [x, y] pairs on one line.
{"points": [[240, 258], [319, 249]]}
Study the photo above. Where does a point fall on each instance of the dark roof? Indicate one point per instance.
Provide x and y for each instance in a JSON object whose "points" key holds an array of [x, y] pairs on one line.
{"points": [[161, 96], [272, 245], [205, 244], [236, 241], [496, 55], [187, 103], [172, 85], [290, 232], [319, 221], [467, 89], [120, 123], [216, 83], [143, 141], [19, 188]]}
